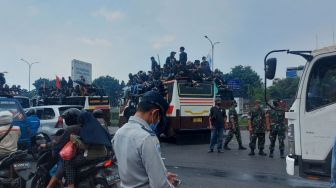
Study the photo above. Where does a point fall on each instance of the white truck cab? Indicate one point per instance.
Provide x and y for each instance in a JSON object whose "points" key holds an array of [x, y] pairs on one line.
{"points": [[312, 117]]}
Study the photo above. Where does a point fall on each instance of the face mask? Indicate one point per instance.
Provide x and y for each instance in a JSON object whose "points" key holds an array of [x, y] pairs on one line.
{"points": [[154, 125]]}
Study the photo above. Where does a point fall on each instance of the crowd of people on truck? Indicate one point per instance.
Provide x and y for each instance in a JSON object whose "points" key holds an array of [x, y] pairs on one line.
{"points": [[70, 88], [5, 89], [181, 69]]}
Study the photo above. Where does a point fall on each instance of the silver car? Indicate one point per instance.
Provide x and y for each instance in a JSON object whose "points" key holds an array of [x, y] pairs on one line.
{"points": [[50, 117]]}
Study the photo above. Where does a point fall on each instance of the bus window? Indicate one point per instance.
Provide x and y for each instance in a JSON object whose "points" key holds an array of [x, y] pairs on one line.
{"points": [[195, 90], [321, 90]]}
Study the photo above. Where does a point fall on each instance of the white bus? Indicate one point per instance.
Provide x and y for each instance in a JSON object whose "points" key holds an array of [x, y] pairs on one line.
{"points": [[189, 106], [312, 119]]}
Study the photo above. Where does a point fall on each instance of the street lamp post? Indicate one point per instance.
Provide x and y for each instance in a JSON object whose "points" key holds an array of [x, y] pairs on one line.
{"points": [[29, 66], [212, 50]]}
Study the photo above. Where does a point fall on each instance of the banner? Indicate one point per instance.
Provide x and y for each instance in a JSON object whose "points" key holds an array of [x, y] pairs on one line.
{"points": [[80, 68]]}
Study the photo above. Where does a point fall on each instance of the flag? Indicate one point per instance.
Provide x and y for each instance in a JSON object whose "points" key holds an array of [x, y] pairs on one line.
{"points": [[58, 82]]}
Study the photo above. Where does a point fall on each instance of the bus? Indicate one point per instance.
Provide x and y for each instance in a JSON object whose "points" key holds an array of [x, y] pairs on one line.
{"points": [[189, 106], [311, 118]]}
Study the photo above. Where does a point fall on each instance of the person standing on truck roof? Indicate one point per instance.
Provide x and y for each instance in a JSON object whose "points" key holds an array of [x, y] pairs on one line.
{"points": [[217, 119], [155, 65], [257, 129], [183, 57], [233, 128], [277, 126], [137, 147]]}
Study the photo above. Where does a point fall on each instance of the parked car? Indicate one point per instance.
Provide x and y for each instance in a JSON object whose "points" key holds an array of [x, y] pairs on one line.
{"points": [[50, 117]]}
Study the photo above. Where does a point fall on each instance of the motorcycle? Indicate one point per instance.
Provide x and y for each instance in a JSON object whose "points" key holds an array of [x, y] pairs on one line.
{"points": [[15, 170], [98, 173]]}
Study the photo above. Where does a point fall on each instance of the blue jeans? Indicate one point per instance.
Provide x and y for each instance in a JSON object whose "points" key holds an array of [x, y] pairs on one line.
{"points": [[217, 134], [333, 167]]}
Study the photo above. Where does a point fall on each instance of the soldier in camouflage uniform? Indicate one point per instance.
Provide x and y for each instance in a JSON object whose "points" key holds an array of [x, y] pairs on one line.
{"points": [[233, 128], [257, 128], [278, 128]]}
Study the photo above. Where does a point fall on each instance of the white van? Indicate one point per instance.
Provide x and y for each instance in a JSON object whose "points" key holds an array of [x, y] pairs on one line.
{"points": [[312, 117]]}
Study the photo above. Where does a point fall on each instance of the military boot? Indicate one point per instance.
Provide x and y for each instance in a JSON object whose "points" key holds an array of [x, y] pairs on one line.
{"points": [[282, 155], [271, 154], [251, 153], [241, 147], [226, 147], [262, 153]]}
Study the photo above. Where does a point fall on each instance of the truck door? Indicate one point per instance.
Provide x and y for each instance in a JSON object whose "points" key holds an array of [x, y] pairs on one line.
{"points": [[317, 116]]}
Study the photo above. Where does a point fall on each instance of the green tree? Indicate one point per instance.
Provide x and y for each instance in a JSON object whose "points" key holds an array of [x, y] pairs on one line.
{"points": [[284, 88], [250, 81], [111, 87], [43, 82]]}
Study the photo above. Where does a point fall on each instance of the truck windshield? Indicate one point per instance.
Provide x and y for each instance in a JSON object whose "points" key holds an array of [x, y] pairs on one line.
{"points": [[321, 89], [195, 90], [13, 107], [23, 101]]}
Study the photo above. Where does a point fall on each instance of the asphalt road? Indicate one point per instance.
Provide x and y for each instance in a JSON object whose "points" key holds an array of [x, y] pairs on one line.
{"points": [[198, 169], [234, 168]]}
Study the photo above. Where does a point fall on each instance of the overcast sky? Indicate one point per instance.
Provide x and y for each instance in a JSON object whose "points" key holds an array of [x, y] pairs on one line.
{"points": [[119, 36]]}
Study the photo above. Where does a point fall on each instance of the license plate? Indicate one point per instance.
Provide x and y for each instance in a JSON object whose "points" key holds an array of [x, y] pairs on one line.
{"points": [[197, 120], [22, 165]]}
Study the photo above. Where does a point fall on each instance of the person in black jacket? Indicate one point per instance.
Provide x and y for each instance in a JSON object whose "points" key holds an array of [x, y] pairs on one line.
{"points": [[217, 121], [183, 57], [155, 65]]}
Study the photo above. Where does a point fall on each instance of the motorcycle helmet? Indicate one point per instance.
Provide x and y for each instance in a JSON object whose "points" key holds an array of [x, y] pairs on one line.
{"points": [[98, 113], [70, 116]]}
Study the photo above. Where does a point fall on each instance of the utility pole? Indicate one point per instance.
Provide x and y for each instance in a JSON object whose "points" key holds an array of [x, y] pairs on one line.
{"points": [[212, 50], [29, 66]]}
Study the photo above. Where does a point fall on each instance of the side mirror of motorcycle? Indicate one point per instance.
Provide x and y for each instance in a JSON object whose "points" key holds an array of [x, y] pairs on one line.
{"points": [[270, 68]]}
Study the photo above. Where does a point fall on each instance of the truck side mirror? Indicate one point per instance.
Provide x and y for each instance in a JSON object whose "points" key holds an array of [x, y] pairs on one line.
{"points": [[270, 68]]}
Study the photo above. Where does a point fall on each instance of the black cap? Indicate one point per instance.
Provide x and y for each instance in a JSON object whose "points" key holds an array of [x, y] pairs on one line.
{"points": [[155, 98]]}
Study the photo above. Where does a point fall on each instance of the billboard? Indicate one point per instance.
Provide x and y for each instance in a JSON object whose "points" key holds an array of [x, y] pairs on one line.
{"points": [[80, 68]]}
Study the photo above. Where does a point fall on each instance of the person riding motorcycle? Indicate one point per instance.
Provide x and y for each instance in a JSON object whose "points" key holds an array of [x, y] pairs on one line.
{"points": [[70, 117], [9, 134], [92, 143]]}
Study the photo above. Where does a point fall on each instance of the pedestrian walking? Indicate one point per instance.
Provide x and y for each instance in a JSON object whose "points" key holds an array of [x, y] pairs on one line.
{"points": [[277, 128], [257, 129], [234, 128], [217, 121]]}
